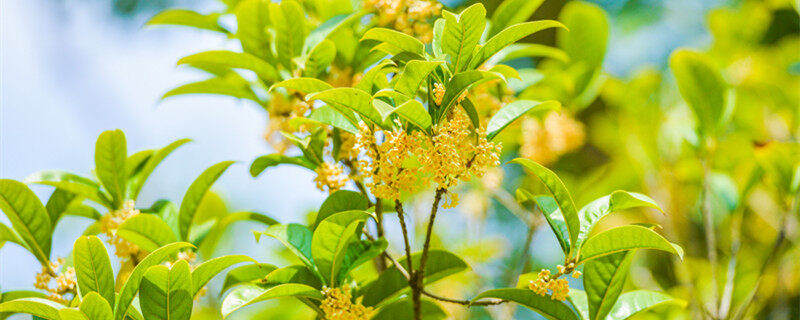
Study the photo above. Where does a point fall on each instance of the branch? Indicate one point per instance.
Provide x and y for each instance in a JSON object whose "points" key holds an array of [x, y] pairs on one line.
{"points": [[482, 303], [400, 214]]}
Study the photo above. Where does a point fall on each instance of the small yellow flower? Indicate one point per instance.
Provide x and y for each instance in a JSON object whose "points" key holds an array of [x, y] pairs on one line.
{"points": [[338, 305], [109, 224], [559, 288], [330, 176], [438, 93], [58, 282], [576, 274]]}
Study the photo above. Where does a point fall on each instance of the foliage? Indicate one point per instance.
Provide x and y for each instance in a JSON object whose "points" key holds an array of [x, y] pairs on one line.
{"points": [[405, 104]]}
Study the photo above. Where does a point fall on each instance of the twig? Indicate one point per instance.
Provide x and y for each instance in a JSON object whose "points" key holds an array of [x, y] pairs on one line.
{"points": [[711, 240], [399, 208]]}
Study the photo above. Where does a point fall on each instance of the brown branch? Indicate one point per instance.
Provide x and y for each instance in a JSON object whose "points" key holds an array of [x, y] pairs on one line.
{"points": [[468, 303], [400, 214]]}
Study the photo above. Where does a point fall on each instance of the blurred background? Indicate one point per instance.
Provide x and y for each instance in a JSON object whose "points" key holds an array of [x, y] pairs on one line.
{"points": [[71, 69]]}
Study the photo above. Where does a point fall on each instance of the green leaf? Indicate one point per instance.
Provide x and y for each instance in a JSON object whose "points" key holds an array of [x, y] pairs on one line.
{"points": [[578, 300], [110, 154], [585, 36], [560, 193], [203, 273], [303, 85], [293, 274], [7, 234], [332, 117], [28, 217], [167, 293], [137, 180], [331, 238], [462, 33], [58, 203], [616, 201], [511, 12], [38, 307], [95, 307], [189, 18], [339, 201], [233, 86], [633, 302], [404, 309], [147, 231], [93, 268], [263, 162], [375, 77], [320, 57], [508, 73], [413, 112], [73, 183], [552, 213], [625, 238], [438, 32], [603, 280], [472, 113], [245, 274], [288, 19], [413, 75], [543, 305], [131, 286], [512, 111], [508, 36], [235, 60], [69, 314], [528, 50], [197, 190], [702, 87], [249, 294], [328, 29], [459, 83], [391, 283], [352, 99], [252, 18], [397, 41], [296, 237], [358, 253]]}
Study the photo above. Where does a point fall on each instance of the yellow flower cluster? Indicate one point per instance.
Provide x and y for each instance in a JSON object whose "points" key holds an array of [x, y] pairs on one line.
{"points": [[384, 163], [338, 305], [342, 77], [281, 110], [544, 143], [487, 102], [59, 284], [412, 17], [438, 93], [347, 149], [558, 287], [449, 155], [331, 176], [109, 224]]}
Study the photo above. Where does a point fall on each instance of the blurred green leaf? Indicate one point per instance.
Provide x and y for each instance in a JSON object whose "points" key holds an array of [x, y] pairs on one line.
{"points": [[197, 190], [512, 111], [188, 18]]}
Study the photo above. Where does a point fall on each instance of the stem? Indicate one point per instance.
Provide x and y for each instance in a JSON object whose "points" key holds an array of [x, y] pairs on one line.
{"points": [[380, 262], [399, 208], [417, 285], [772, 256], [405, 274], [711, 240]]}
